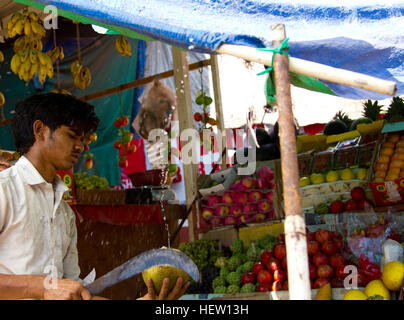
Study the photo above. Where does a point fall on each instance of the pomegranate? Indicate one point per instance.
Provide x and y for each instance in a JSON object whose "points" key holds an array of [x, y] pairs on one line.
{"points": [[328, 248], [336, 260], [358, 194], [257, 267], [264, 277], [320, 258], [322, 235], [313, 247], [265, 256], [277, 286], [280, 251], [248, 277], [325, 271], [273, 264], [279, 275]]}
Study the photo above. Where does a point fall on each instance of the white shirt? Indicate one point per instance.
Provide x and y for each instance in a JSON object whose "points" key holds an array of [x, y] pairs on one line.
{"points": [[38, 232]]}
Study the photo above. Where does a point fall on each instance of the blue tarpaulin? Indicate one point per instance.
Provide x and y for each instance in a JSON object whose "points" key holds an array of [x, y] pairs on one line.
{"points": [[361, 36]]}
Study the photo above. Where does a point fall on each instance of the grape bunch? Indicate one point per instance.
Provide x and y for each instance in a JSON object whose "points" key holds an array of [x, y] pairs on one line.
{"points": [[82, 181]]}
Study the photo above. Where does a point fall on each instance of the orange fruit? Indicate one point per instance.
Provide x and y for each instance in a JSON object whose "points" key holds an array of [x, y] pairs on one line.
{"points": [[383, 159], [380, 174], [394, 137], [391, 177], [381, 166], [400, 144], [396, 163], [399, 150], [387, 151], [388, 144], [393, 171], [397, 156]]}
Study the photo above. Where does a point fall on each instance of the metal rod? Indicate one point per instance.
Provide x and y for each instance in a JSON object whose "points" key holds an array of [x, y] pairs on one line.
{"points": [[295, 228]]}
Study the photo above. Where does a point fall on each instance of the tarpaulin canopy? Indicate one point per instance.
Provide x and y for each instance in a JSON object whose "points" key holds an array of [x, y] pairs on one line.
{"points": [[361, 36]]}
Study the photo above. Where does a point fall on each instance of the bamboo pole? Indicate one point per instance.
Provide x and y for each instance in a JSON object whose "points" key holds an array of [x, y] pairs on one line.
{"points": [[313, 69], [214, 65], [141, 82], [295, 227], [185, 116]]}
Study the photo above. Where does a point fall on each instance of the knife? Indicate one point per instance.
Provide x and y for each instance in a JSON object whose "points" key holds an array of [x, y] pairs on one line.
{"points": [[143, 262]]}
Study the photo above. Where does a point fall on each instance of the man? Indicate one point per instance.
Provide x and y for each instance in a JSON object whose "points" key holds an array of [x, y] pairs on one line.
{"points": [[38, 235]]}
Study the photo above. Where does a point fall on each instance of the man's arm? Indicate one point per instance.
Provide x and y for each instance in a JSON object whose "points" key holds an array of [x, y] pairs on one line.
{"points": [[21, 287]]}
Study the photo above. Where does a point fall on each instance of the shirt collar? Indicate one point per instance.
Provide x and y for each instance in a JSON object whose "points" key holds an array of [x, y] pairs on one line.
{"points": [[31, 175]]}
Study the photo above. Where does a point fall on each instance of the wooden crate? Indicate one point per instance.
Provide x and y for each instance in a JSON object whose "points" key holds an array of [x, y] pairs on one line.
{"points": [[100, 196]]}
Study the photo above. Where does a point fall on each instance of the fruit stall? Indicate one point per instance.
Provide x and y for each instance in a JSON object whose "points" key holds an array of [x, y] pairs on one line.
{"points": [[341, 188]]}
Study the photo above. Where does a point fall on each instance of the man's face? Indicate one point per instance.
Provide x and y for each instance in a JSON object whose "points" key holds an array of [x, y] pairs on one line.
{"points": [[63, 147]]}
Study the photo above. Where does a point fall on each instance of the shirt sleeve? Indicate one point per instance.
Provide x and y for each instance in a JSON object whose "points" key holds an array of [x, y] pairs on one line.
{"points": [[4, 205], [71, 269]]}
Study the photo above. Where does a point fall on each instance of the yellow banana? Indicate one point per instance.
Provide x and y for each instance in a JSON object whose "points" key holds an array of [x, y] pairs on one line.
{"points": [[26, 66], [126, 47], [23, 55], [27, 27], [37, 29], [33, 55], [15, 63], [49, 70], [15, 17], [19, 26], [33, 70], [61, 91], [43, 58], [19, 44], [1, 56], [61, 53], [75, 66], [33, 16], [118, 46], [42, 73], [2, 99]]}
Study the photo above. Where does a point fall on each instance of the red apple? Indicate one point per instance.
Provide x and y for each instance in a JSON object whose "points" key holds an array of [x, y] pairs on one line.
{"points": [[336, 235], [270, 196], [266, 173], [312, 271], [337, 206], [311, 236], [257, 267], [322, 235], [339, 245], [273, 264], [244, 218], [320, 282], [258, 217], [213, 199], [325, 271], [230, 220], [337, 283], [264, 276], [358, 194], [254, 196], [277, 286], [262, 183], [235, 210], [221, 210], [350, 205], [336, 260], [279, 275], [227, 197], [313, 247], [248, 183], [320, 258], [364, 204], [285, 285], [262, 287], [240, 197], [339, 272], [280, 238], [248, 277], [328, 247], [215, 221], [265, 256], [285, 263], [264, 205], [249, 207], [280, 251], [207, 212]]}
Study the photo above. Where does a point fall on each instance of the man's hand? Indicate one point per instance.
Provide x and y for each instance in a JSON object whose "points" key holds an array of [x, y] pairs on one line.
{"points": [[178, 290], [4, 165], [67, 289]]}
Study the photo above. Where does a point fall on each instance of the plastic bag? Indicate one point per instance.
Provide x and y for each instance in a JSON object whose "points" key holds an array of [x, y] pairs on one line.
{"points": [[158, 104]]}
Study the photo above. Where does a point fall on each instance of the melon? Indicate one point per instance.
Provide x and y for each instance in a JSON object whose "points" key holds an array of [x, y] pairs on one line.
{"points": [[159, 272], [335, 127], [358, 121]]}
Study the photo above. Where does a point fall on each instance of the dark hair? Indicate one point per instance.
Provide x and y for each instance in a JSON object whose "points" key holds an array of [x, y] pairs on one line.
{"points": [[54, 110]]}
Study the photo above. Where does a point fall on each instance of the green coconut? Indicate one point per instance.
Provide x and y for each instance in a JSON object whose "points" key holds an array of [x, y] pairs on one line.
{"points": [[160, 272]]}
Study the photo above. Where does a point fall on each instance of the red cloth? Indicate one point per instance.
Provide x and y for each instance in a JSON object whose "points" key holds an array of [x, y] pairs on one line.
{"points": [[314, 128], [136, 160]]}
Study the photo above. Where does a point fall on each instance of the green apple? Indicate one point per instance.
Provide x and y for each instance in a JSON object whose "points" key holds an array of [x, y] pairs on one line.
{"points": [[304, 181], [332, 176], [347, 174], [362, 174], [317, 178]]}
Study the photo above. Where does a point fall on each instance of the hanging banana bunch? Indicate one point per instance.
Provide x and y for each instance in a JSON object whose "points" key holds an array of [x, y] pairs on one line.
{"points": [[56, 53], [122, 45], [81, 74], [1, 56], [28, 59], [28, 62], [27, 23]]}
